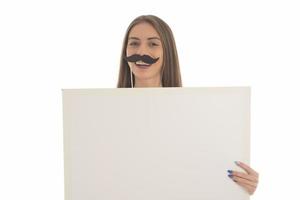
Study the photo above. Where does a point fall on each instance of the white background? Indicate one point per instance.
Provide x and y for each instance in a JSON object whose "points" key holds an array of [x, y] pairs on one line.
{"points": [[49, 45]]}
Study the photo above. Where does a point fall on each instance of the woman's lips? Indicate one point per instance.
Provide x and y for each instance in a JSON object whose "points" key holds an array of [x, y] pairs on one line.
{"points": [[143, 66]]}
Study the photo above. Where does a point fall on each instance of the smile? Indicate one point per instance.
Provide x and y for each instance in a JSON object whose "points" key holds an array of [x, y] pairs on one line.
{"points": [[141, 64]]}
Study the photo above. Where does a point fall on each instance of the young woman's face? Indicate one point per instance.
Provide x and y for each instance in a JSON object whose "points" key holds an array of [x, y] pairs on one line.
{"points": [[144, 40]]}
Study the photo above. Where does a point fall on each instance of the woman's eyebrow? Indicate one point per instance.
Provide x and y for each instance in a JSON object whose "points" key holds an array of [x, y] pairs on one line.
{"points": [[134, 38], [151, 38]]}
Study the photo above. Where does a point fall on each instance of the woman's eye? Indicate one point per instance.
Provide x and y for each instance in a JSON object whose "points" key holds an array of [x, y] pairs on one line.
{"points": [[153, 44], [133, 43]]}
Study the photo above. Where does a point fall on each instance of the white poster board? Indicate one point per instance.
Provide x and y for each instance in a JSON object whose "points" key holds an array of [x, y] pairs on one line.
{"points": [[155, 143]]}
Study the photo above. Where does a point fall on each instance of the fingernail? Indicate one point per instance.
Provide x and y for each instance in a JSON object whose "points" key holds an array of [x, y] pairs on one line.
{"points": [[237, 162], [229, 171], [230, 175]]}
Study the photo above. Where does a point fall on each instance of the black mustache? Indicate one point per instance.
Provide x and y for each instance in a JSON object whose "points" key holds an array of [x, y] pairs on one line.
{"points": [[145, 58]]}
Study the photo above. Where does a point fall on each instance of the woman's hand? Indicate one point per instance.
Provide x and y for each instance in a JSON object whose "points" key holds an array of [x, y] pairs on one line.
{"points": [[248, 180]]}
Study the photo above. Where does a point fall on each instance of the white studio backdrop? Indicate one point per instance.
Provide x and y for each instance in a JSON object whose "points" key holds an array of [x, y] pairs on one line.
{"points": [[49, 45]]}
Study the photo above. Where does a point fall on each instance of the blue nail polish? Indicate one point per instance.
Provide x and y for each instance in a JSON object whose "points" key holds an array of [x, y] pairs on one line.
{"points": [[229, 171], [230, 175]]}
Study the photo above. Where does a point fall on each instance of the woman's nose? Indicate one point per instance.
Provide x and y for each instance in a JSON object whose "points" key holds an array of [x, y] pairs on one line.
{"points": [[142, 50]]}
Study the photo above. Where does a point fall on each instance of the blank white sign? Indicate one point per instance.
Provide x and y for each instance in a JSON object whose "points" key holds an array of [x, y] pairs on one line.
{"points": [[155, 143]]}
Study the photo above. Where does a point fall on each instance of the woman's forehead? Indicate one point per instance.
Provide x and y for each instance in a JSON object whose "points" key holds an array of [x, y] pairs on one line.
{"points": [[143, 30]]}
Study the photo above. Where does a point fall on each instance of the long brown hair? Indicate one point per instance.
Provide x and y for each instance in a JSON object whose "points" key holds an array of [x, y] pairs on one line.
{"points": [[170, 74]]}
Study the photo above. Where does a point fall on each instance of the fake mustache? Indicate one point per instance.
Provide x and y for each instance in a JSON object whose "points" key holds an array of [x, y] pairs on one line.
{"points": [[145, 58]]}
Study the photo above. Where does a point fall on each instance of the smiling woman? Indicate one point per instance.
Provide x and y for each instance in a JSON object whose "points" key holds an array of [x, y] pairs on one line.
{"points": [[149, 59], [149, 39]]}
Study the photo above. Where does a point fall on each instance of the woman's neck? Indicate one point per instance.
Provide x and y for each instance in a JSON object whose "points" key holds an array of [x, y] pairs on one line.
{"points": [[147, 83]]}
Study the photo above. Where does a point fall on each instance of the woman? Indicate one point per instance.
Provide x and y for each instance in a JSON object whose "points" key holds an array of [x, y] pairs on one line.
{"points": [[149, 59]]}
